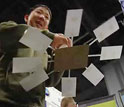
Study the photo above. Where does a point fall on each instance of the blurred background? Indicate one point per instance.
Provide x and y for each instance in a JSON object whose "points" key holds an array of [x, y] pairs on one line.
{"points": [[95, 12]]}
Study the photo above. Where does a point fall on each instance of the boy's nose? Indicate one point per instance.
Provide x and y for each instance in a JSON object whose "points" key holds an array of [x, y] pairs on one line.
{"points": [[42, 17]]}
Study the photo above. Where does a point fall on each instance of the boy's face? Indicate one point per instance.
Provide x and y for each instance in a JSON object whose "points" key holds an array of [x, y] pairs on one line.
{"points": [[38, 18]]}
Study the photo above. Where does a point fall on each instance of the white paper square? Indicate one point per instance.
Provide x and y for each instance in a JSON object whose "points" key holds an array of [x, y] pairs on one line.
{"points": [[34, 39], [106, 29], [93, 74], [34, 79], [26, 64], [69, 87], [73, 22], [111, 52]]}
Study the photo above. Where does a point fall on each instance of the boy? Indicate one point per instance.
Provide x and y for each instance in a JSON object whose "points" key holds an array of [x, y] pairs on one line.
{"points": [[11, 92]]}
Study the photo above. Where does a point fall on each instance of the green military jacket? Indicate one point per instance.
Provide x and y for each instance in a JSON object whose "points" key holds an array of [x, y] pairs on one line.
{"points": [[10, 90]]}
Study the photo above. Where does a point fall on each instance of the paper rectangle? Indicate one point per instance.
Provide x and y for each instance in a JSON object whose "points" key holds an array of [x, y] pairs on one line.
{"points": [[71, 58], [34, 39], [34, 79], [93, 74], [73, 22], [69, 87], [105, 104], [111, 52], [106, 29], [26, 64]]}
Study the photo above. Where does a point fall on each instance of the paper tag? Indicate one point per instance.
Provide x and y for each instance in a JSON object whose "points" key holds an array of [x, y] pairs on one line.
{"points": [[106, 29], [73, 22], [111, 52], [69, 87], [26, 64], [93, 74], [34, 79], [36, 40]]}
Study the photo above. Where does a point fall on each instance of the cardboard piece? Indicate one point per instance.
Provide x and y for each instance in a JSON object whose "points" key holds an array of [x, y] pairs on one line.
{"points": [[71, 58]]}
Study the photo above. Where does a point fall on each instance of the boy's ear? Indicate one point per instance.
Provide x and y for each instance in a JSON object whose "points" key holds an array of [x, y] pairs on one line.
{"points": [[26, 18]]}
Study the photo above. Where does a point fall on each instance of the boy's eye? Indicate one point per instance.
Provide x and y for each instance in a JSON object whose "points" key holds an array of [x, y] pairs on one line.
{"points": [[46, 17], [38, 12]]}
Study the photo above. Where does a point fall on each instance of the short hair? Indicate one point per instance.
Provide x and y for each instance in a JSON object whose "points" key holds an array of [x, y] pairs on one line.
{"points": [[66, 100], [39, 5]]}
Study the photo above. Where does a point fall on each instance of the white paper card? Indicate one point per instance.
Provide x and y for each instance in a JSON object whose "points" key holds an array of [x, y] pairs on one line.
{"points": [[26, 64], [106, 29], [69, 87], [93, 74], [34, 79], [111, 52], [73, 22], [34, 39]]}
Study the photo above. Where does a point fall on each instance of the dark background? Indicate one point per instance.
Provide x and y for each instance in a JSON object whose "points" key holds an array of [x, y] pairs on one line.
{"points": [[95, 13]]}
